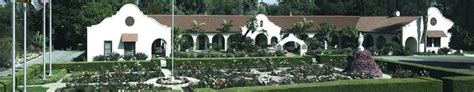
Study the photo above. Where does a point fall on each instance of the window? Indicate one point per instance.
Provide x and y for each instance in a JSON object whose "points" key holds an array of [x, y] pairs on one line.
{"points": [[434, 42], [433, 21], [129, 48], [261, 23], [107, 47], [437, 42], [129, 21]]}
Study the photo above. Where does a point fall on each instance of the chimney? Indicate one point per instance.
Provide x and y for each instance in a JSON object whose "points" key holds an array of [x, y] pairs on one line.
{"points": [[397, 13]]}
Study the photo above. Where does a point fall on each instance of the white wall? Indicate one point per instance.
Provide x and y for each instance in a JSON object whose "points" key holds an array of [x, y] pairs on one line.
{"points": [[272, 29], [413, 29], [442, 24], [111, 29]]}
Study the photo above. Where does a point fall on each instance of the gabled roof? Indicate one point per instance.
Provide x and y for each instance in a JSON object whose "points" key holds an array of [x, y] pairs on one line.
{"points": [[363, 24]]}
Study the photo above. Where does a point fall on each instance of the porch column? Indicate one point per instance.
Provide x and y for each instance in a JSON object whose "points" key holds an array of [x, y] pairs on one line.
{"points": [[194, 36], [209, 40], [226, 42]]}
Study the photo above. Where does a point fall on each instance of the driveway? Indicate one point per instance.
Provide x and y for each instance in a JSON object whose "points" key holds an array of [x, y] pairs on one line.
{"points": [[58, 56]]}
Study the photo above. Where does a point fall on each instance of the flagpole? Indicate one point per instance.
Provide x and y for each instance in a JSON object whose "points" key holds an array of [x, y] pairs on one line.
{"points": [[50, 36], [13, 44], [172, 39], [24, 48], [44, 41]]}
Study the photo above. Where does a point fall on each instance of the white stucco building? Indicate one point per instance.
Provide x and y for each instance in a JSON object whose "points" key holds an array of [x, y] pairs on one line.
{"points": [[130, 31]]}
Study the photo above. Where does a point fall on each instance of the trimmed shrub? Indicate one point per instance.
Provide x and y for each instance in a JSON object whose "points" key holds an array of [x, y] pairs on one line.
{"points": [[128, 57], [436, 72], [364, 66], [421, 84], [100, 58], [114, 56], [141, 56], [443, 51], [340, 60], [458, 84]]}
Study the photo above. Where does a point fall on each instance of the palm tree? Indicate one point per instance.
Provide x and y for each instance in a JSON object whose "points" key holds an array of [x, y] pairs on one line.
{"points": [[300, 27], [324, 32], [196, 26], [226, 26]]}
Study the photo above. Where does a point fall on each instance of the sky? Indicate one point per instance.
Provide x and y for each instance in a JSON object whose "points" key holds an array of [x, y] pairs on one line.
{"points": [[270, 1]]}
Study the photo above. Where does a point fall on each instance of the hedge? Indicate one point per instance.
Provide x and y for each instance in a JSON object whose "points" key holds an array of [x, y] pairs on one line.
{"points": [[422, 84], [458, 84], [99, 65], [6, 83], [247, 61], [436, 72], [340, 60]]}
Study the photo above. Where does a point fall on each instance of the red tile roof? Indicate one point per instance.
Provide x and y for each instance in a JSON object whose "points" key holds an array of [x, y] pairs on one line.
{"points": [[363, 24]]}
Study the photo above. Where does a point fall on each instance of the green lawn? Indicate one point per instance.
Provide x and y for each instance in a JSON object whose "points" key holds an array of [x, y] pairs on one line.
{"points": [[469, 52], [37, 89], [57, 75]]}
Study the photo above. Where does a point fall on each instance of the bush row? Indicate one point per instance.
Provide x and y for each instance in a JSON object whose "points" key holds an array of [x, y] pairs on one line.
{"points": [[116, 56], [216, 54], [436, 72], [422, 84], [6, 83], [339, 60], [249, 62], [95, 66], [458, 84]]}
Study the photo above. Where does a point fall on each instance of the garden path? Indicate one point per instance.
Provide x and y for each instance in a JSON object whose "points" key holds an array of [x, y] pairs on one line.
{"points": [[58, 56], [52, 87]]}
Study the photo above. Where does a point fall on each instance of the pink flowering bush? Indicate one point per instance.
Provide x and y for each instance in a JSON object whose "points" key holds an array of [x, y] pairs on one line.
{"points": [[364, 66]]}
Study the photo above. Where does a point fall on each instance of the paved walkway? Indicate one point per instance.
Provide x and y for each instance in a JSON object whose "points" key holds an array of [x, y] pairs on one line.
{"points": [[58, 56]]}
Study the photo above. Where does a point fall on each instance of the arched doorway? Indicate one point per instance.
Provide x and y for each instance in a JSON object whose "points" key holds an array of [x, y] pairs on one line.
{"points": [[292, 47], [202, 42], [218, 42], [187, 42], [293, 44], [261, 40], [158, 48], [274, 40], [380, 41], [368, 41], [411, 44]]}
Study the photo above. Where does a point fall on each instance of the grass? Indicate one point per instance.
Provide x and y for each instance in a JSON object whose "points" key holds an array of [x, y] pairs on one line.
{"points": [[469, 52], [57, 75], [37, 89]]}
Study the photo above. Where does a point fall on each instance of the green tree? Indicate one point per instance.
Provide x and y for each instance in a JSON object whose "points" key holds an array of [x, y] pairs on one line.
{"points": [[301, 26], [226, 26], [324, 31], [196, 26]]}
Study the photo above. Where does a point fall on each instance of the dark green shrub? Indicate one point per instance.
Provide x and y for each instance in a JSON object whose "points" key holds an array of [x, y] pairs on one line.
{"points": [[114, 56], [458, 84], [364, 85], [100, 58], [393, 47], [128, 57], [443, 51], [141, 56]]}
